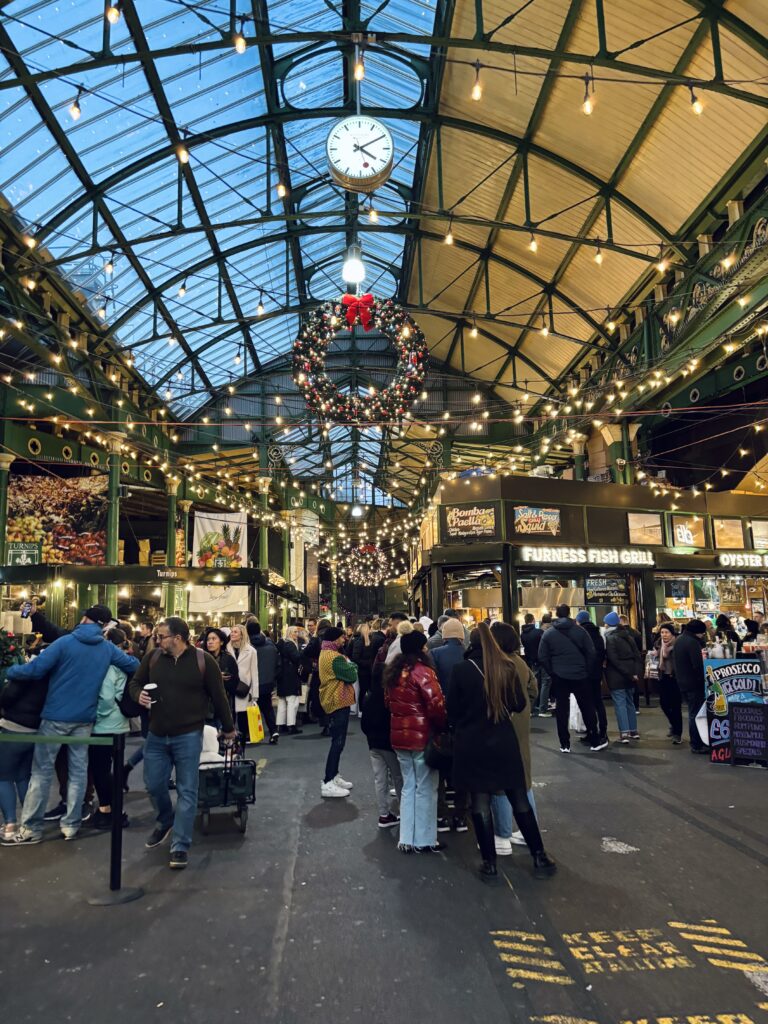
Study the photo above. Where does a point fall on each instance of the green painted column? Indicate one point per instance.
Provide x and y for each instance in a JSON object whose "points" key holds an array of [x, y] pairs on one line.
{"points": [[334, 585], [171, 489], [5, 465], [287, 546], [183, 604], [113, 517], [579, 460], [264, 483]]}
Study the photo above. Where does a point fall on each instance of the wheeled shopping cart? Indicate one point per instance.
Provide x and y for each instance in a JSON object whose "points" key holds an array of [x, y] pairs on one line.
{"points": [[232, 783]]}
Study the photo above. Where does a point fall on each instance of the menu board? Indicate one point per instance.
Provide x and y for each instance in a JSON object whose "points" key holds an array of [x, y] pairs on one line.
{"points": [[606, 590], [749, 732], [729, 681], [476, 521]]}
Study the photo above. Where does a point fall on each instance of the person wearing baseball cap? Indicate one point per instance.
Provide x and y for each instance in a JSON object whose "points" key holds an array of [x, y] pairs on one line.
{"points": [[76, 665]]}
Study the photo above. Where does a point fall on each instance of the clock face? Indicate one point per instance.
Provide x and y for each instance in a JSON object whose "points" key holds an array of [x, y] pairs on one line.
{"points": [[360, 152]]}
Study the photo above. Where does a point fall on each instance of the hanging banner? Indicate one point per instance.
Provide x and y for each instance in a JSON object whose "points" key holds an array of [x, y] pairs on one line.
{"points": [[65, 516], [220, 541], [729, 681], [213, 600]]}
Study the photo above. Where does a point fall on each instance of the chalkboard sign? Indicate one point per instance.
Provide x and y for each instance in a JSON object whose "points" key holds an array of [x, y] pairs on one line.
{"points": [[749, 732], [606, 590]]}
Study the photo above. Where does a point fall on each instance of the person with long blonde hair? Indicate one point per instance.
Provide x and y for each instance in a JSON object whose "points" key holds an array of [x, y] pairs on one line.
{"points": [[485, 693]]}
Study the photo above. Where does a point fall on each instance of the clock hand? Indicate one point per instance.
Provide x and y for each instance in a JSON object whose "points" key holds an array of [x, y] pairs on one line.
{"points": [[377, 139]]}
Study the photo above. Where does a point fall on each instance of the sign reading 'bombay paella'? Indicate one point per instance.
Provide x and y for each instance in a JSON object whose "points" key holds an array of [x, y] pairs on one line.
{"points": [[475, 521], [528, 519]]}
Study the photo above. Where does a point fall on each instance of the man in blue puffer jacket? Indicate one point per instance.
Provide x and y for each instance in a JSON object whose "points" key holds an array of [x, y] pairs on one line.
{"points": [[76, 665]]}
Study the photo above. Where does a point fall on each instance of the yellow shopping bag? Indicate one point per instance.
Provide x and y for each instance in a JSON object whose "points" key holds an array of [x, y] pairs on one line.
{"points": [[255, 724]]}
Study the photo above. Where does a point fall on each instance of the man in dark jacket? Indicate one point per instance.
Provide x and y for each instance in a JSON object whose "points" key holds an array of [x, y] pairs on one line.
{"points": [[375, 724], [268, 661], [568, 654], [689, 672], [530, 638], [596, 678]]}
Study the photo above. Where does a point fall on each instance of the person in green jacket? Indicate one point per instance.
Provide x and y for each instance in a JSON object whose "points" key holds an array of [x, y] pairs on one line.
{"points": [[337, 695], [110, 721]]}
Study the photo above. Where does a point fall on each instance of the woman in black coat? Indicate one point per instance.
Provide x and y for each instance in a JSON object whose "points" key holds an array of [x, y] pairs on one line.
{"points": [[363, 652], [216, 644], [22, 705], [289, 682], [482, 698]]}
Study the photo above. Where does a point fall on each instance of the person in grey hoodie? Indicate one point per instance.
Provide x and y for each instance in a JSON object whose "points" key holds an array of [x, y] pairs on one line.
{"points": [[568, 655]]}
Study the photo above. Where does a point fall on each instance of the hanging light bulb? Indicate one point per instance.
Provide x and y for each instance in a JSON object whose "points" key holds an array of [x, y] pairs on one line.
{"points": [[449, 233], [74, 109], [260, 307], [182, 154], [373, 215], [282, 191], [353, 271], [239, 39], [544, 329], [183, 288], [696, 105], [533, 245], [589, 101], [477, 88], [598, 257], [168, 394], [238, 358], [662, 265], [112, 13], [473, 332], [109, 266], [359, 69]]}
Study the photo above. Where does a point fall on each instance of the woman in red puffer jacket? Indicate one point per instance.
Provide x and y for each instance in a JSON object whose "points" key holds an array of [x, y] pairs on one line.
{"points": [[417, 710]]}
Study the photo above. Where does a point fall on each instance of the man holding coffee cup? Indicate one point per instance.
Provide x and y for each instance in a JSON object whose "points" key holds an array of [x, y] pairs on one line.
{"points": [[181, 680]]}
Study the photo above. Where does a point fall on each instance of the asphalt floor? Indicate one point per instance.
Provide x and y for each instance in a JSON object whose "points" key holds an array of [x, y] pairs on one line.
{"points": [[658, 914]]}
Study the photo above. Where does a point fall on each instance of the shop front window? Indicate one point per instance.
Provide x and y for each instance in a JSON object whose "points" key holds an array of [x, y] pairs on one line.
{"points": [[707, 597], [541, 593], [474, 593], [688, 532], [759, 534]]}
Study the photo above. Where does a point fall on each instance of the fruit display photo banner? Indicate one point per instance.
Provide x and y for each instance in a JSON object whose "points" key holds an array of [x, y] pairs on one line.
{"points": [[220, 540], [65, 517]]}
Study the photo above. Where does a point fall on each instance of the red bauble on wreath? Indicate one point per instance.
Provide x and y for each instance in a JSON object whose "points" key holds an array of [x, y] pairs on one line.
{"points": [[311, 347]]}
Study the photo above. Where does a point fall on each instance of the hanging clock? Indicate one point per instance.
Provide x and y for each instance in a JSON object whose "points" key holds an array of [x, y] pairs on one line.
{"points": [[360, 153]]}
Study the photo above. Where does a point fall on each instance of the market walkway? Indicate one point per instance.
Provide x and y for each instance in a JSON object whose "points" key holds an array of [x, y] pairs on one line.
{"points": [[659, 909]]}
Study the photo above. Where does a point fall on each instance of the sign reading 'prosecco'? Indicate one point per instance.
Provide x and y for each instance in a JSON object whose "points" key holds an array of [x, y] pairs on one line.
{"points": [[639, 557]]}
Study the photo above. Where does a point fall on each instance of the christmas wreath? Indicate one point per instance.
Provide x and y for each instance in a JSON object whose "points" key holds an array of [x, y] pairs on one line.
{"points": [[366, 566], [311, 347]]}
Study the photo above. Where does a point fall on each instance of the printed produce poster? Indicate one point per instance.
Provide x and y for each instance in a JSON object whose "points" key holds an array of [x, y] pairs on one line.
{"points": [[66, 515], [221, 541]]}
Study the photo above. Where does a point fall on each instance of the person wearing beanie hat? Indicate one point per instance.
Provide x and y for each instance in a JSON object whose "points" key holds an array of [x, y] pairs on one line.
{"points": [[417, 712], [394, 648], [688, 660], [76, 665], [623, 668], [584, 620], [337, 695]]}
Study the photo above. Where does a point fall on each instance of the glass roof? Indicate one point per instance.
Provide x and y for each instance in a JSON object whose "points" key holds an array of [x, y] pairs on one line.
{"points": [[194, 248]]}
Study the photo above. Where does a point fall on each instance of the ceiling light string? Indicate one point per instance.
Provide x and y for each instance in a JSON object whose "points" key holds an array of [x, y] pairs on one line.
{"points": [[588, 104]]}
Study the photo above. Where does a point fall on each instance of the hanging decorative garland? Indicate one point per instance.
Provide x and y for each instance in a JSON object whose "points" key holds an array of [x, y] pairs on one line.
{"points": [[366, 566], [311, 347]]}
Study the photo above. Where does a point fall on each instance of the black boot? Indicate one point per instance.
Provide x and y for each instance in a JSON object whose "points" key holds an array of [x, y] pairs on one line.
{"points": [[294, 730], [484, 832], [126, 772], [543, 865]]}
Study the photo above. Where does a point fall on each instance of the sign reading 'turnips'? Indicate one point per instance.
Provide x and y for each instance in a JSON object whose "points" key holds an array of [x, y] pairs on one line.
{"points": [[469, 522]]}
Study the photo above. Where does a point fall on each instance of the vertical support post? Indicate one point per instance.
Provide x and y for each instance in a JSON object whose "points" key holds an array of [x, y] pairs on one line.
{"points": [[5, 465], [526, 188], [264, 483], [113, 516], [185, 507], [626, 453], [171, 490], [334, 585], [439, 157], [579, 460], [287, 548]]}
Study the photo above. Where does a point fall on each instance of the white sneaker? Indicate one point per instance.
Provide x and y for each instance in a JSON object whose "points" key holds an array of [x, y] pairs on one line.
{"points": [[503, 846], [517, 839], [331, 789], [343, 783]]}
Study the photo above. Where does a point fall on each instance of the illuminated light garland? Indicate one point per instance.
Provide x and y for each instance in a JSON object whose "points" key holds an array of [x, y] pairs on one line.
{"points": [[365, 566], [311, 347]]}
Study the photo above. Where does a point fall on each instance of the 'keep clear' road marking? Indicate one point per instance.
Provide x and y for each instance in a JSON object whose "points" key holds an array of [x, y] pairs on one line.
{"points": [[614, 952], [704, 1018], [721, 948], [530, 958]]}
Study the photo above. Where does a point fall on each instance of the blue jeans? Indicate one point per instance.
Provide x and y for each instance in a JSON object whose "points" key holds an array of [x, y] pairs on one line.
{"points": [[624, 705], [501, 809], [161, 755], [418, 801], [36, 800], [338, 722]]}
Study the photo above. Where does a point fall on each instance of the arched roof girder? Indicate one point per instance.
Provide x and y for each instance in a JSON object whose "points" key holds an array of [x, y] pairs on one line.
{"points": [[402, 229], [102, 188]]}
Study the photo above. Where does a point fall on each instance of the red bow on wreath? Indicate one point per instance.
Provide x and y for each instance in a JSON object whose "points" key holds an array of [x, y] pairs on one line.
{"points": [[358, 306]]}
